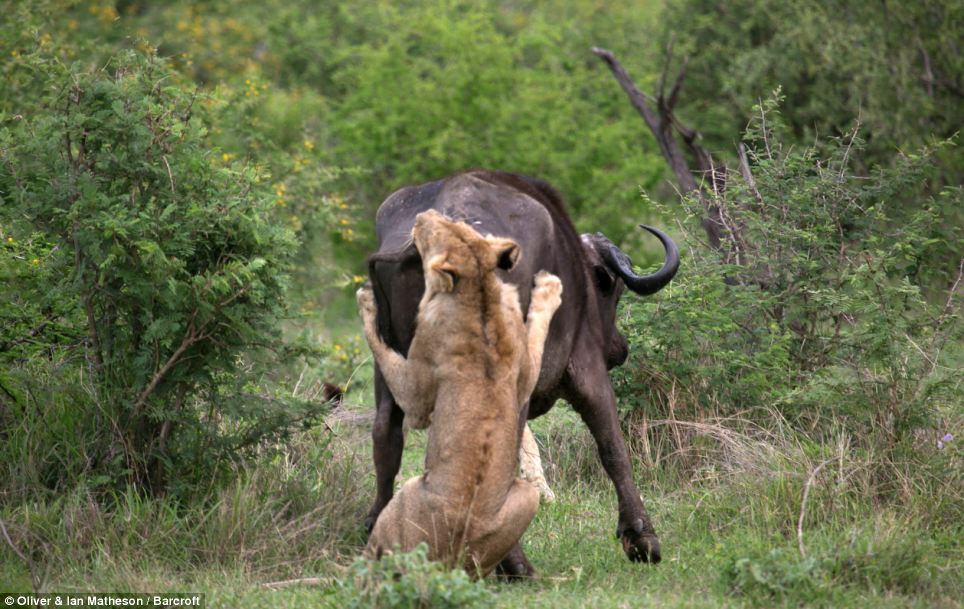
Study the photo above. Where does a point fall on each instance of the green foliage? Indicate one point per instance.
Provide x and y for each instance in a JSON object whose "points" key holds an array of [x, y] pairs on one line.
{"points": [[161, 258], [441, 87], [895, 69], [248, 161], [408, 581], [781, 574], [777, 574], [820, 314]]}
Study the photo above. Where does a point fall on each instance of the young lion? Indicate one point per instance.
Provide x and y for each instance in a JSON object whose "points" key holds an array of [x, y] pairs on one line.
{"points": [[471, 367]]}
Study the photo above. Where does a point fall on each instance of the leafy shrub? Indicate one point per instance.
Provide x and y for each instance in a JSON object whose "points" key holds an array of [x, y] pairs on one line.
{"points": [[838, 63], [815, 307], [440, 87], [776, 574], [163, 265], [409, 581], [892, 561]]}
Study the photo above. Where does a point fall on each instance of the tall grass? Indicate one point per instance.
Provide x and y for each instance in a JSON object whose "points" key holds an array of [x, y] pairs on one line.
{"points": [[294, 511]]}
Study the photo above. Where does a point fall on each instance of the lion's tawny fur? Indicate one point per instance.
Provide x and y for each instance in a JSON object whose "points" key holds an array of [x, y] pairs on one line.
{"points": [[471, 367]]}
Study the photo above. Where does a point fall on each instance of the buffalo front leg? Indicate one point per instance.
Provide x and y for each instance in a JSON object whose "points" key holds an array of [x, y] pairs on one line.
{"points": [[591, 394], [387, 445]]}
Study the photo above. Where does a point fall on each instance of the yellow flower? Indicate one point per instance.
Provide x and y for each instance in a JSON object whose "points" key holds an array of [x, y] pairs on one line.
{"points": [[309, 145], [35, 261], [337, 347], [226, 157], [343, 221], [9, 239], [358, 279]]}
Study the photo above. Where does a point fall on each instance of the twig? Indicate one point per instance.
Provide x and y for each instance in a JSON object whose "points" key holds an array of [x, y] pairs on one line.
{"points": [[189, 339], [6, 536], [303, 581], [35, 578], [88, 306], [853, 136], [803, 506], [169, 174], [747, 174], [662, 125]]}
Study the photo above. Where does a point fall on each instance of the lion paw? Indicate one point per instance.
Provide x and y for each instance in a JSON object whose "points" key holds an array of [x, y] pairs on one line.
{"points": [[366, 301], [548, 291]]}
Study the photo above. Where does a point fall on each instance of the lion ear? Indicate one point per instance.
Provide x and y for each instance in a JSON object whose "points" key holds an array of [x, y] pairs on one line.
{"points": [[506, 252], [441, 276]]}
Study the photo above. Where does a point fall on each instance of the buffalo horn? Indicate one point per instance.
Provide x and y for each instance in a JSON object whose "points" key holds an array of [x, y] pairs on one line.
{"points": [[620, 263]]}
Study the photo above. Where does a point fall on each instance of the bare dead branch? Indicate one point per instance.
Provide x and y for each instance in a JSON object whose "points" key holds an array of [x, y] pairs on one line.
{"points": [[674, 92], [661, 129]]}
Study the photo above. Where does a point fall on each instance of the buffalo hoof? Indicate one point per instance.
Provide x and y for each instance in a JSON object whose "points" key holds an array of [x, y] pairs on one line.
{"points": [[515, 568], [370, 521], [639, 542]]}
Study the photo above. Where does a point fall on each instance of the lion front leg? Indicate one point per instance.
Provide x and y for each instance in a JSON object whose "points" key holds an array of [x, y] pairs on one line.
{"points": [[546, 298], [408, 380]]}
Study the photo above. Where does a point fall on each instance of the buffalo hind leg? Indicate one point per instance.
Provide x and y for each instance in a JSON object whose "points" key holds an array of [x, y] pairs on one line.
{"points": [[515, 566], [387, 445], [591, 394]]}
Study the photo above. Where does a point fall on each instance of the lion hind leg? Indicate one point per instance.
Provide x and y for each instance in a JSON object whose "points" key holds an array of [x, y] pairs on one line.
{"points": [[530, 465], [506, 528]]}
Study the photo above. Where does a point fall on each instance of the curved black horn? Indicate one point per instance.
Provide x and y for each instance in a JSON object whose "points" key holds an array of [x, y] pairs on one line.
{"points": [[620, 263]]}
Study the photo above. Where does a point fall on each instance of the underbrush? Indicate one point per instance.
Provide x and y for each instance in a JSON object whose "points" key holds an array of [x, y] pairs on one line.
{"points": [[293, 511], [749, 516], [780, 520]]}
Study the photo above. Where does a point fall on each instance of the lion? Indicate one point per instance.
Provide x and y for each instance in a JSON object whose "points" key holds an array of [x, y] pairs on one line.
{"points": [[471, 367]]}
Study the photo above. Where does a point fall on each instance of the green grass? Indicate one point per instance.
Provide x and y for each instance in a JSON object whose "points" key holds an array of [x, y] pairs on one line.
{"points": [[728, 528]]}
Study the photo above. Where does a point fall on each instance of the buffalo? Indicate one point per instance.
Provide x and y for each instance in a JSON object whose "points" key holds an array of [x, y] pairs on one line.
{"points": [[583, 343]]}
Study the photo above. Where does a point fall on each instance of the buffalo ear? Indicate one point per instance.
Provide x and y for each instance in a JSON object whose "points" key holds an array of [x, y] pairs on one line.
{"points": [[506, 251], [604, 279], [441, 276]]}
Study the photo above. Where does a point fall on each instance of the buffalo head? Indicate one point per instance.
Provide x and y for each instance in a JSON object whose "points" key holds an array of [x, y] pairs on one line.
{"points": [[612, 271]]}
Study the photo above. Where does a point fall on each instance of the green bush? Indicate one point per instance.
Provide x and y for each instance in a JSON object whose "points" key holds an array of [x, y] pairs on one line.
{"points": [[897, 562], [814, 309], [408, 581], [442, 87], [163, 270], [896, 71]]}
